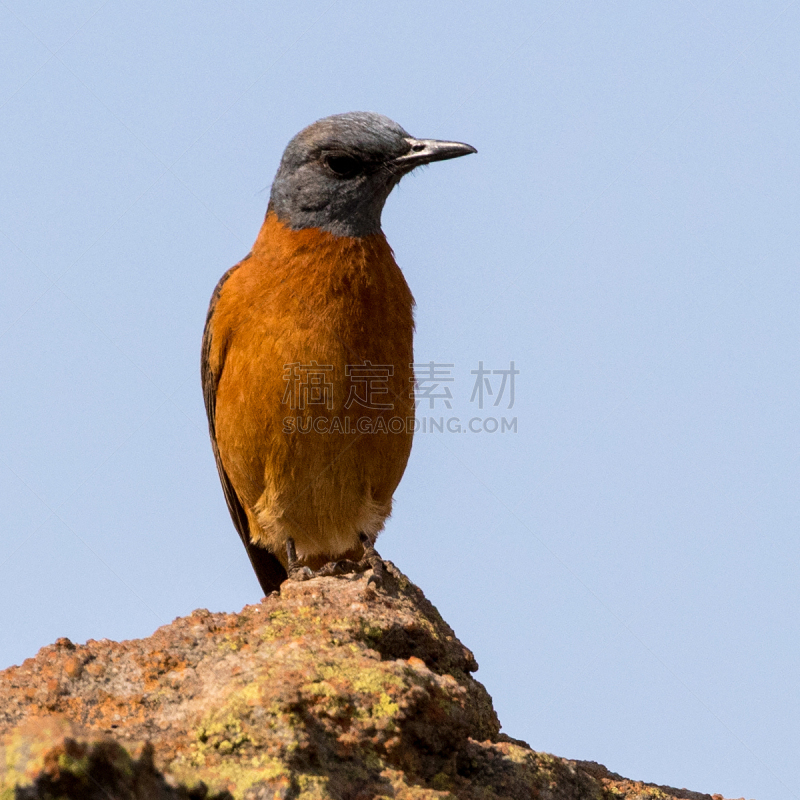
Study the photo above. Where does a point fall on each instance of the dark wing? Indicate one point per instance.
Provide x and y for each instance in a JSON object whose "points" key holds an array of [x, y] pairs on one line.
{"points": [[268, 569]]}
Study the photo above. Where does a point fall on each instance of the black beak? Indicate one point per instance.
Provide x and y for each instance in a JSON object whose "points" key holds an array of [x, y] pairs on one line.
{"points": [[424, 151]]}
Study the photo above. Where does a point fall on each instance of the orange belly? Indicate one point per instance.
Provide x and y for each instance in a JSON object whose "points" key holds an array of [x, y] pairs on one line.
{"points": [[313, 406]]}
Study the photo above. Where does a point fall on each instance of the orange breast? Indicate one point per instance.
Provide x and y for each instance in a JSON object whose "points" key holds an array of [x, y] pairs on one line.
{"points": [[313, 333]]}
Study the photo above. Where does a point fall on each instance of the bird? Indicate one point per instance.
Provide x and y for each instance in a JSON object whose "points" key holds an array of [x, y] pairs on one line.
{"points": [[307, 355]]}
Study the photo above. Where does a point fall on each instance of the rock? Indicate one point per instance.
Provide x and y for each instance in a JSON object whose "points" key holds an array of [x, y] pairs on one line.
{"points": [[331, 689]]}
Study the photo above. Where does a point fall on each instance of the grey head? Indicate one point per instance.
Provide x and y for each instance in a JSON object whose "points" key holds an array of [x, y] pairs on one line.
{"points": [[337, 173]]}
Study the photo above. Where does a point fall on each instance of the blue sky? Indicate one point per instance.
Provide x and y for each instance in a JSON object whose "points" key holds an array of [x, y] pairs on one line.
{"points": [[624, 565]]}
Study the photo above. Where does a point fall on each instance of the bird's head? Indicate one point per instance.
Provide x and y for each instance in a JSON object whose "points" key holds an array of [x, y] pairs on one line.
{"points": [[337, 173]]}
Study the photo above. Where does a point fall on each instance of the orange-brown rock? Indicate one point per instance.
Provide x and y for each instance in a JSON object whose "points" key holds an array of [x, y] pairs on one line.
{"points": [[330, 689]]}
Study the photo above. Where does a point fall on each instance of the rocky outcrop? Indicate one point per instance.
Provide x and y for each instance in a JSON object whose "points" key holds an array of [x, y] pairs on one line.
{"points": [[331, 689]]}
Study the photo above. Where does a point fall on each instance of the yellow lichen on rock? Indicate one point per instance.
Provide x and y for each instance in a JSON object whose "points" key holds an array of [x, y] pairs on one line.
{"points": [[330, 690]]}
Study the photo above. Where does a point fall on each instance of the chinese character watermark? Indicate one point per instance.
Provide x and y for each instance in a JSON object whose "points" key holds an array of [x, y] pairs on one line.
{"points": [[368, 382], [366, 386], [483, 384], [428, 378], [308, 385]]}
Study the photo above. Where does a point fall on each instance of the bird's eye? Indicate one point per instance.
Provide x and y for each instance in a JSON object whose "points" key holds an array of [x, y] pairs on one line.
{"points": [[343, 166]]}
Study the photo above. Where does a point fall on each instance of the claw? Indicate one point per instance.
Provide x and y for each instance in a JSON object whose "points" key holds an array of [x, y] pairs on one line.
{"points": [[299, 573], [370, 561], [373, 561], [337, 568], [295, 570]]}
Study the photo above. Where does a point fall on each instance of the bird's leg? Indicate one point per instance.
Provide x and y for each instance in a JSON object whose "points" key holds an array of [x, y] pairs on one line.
{"points": [[371, 560], [295, 570]]}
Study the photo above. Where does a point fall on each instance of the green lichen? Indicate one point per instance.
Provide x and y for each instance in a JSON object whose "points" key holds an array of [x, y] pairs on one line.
{"points": [[384, 708], [231, 643], [371, 680], [323, 689], [519, 755], [13, 769], [442, 781], [652, 792], [313, 787], [277, 623], [236, 775], [369, 632], [221, 730], [23, 757], [279, 617], [283, 625], [77, 766]]}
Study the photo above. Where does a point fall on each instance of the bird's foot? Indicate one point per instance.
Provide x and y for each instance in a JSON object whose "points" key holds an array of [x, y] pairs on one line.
{"points": [[370, 560], [299, 572], [332, 568], [294, 569]]}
